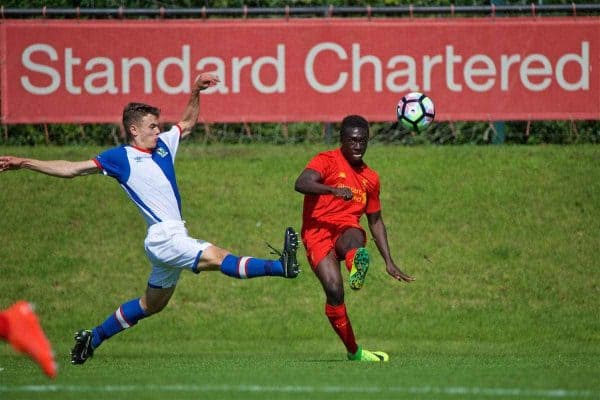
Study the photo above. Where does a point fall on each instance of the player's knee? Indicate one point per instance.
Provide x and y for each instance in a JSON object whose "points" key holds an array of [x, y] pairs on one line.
{"points": [[352, 238], [155, 300], [212, 258], [335, 294], [155, 307]]}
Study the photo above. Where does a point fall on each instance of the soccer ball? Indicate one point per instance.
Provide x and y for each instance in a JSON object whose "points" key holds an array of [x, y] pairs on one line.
{"points": [[415, 111]]}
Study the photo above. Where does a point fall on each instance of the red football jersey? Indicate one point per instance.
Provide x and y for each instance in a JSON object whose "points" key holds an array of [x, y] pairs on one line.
{"points": [[336, 171]]}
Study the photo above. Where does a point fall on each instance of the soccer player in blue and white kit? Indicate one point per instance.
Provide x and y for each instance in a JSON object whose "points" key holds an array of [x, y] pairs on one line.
{"points": [[145, 170]]}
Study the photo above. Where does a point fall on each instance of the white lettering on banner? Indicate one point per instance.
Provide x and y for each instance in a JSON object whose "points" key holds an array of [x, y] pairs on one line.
{"points": [[411, 82], [309, 68], [30, 65], [470, 72], [451, 59], [101, 76], [528, 70], [279, 64], [358, 64], [183, 64], [69, 62], [506, 62], [584, 64], [214, 64], [126, 67], [105, 76], [428, 63], [478, 73], [237, 64]]}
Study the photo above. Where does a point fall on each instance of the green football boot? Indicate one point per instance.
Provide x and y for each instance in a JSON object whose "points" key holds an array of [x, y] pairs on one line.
{"points": [[366, 355], [360, 266]]}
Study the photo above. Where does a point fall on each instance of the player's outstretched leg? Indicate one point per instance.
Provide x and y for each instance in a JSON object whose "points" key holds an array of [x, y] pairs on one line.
{"points": [[25, 334], [366, 355], [360, 267], [252, 267]]}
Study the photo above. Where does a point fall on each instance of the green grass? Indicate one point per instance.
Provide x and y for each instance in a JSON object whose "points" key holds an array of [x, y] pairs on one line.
{"points": [[503, 242]]}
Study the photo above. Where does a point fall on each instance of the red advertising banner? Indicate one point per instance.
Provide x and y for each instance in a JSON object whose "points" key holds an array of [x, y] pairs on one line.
{"points": [[301, 69]]}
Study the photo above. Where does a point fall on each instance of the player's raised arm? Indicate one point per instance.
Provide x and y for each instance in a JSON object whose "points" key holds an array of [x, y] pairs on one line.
{"points": [[58, 168], [192, 110]]}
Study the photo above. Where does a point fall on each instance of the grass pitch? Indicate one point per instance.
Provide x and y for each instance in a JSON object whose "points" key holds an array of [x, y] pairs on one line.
{"points": [[503, 242]]}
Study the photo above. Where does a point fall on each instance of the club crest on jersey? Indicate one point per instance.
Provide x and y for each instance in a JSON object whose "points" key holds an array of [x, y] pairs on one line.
{"points": [[162, 152]]}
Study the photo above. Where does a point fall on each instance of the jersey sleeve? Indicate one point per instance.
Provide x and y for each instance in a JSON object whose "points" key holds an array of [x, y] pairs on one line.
{"points": [[113, 162], [319, 163], [373, 201], [171, 139]]}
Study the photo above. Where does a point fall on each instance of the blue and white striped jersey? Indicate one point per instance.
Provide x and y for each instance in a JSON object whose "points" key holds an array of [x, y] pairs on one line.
{"points": [[147, 176]]}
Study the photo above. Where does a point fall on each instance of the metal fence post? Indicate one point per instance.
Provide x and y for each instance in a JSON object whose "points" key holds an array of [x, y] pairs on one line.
{"points": [[498, 125]]}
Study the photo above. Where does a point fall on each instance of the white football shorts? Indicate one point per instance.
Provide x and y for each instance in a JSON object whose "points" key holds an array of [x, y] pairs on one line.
{"points": [[170, 249]]}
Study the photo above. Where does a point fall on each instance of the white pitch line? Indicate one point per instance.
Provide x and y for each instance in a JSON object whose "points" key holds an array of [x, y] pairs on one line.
{"points": [[450, 391]]}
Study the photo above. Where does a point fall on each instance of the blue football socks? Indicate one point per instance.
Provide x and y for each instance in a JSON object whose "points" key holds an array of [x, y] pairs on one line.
{"points": [[126, 316], [249, 267], [129, 313]]}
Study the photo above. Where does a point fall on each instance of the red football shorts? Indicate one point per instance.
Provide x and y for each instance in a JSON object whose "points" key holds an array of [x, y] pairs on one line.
{"points": [[319, 241]]}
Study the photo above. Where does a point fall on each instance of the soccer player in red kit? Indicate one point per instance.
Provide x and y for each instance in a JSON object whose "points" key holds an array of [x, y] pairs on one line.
{"points": [[339, 188]]}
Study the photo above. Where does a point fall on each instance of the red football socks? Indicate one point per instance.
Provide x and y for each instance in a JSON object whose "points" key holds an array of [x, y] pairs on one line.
{"points": [[338, 317], [350, 258]]}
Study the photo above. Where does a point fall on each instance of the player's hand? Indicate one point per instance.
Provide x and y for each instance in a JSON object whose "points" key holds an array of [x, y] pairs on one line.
{"points": [[8, 162], [344, 193], [397, 274], [206, 80]]}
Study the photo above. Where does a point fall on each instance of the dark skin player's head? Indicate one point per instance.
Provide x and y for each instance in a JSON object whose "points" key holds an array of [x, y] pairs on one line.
{"points": [[354, 138]]}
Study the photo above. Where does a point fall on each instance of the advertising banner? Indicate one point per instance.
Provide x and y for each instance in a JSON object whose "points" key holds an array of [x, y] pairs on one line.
{"points": [[317, 69]]}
